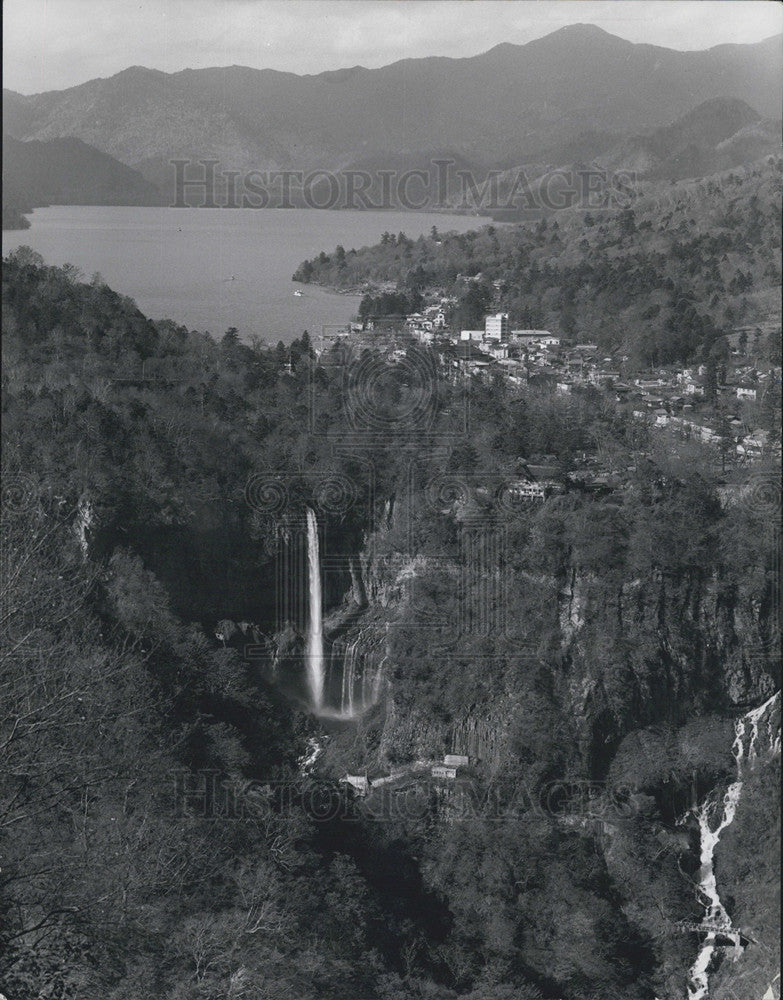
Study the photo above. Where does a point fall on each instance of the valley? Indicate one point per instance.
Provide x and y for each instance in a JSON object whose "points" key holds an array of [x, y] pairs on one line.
{"points": [[390, 538]]}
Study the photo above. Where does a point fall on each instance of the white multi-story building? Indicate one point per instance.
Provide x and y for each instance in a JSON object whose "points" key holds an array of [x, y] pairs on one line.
{"points": [[496, 326]]}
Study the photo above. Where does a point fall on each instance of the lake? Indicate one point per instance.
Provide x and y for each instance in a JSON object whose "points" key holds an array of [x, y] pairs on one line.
{"points": [[210, 269]]}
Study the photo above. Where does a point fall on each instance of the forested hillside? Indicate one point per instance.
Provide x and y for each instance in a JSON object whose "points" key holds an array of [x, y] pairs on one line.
{"points": [[660, 278], [14, 205], [66, 172], [161, 835], [717, 135]]}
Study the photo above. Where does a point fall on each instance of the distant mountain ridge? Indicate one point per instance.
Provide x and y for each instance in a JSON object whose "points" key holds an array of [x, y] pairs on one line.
{"points": [[508, 105], [718, 134]]}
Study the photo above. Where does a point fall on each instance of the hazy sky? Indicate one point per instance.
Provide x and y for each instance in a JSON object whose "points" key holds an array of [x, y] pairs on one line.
{"points": [[51, 44]]}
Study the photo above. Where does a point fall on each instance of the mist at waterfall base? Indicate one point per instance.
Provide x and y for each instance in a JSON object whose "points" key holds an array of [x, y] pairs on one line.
{"points": [[334, 672]]}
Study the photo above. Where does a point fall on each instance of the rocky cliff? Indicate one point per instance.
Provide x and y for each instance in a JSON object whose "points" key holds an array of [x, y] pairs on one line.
{"points": [[624, 656]]}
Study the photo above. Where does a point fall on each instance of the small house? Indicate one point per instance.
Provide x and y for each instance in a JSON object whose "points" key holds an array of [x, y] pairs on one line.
{"points": [[444, 771]]}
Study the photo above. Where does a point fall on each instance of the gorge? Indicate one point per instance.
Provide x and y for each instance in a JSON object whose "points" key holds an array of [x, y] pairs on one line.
{"points": [[390, 550], [639, 630], [362, 641]]}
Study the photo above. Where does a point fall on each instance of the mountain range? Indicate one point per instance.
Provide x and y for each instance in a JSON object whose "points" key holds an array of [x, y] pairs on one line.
{"points": [[575, 95], [717, 135]]}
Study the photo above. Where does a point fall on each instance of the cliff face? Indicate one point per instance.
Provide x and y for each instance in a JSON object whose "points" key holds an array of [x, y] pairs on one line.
{"points": [[658, 649], [625, 655], [747, 867], [483, 733], [356, 657]]}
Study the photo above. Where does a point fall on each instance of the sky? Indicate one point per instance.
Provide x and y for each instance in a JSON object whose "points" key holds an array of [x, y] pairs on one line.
{"points": [[53, 44]]}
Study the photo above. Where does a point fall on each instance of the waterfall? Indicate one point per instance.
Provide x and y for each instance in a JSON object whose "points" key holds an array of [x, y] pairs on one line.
{"points": [[355, 662], [349, 676], [344, 667], [715, 915], [85, 515], [314, 651]]}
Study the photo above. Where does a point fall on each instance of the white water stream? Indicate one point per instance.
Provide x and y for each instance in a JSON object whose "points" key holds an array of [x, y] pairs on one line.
{"points": [[314, 651], [744, 749]]}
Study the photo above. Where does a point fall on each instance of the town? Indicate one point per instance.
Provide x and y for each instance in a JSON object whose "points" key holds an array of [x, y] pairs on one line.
{"points": [[719, 404]]}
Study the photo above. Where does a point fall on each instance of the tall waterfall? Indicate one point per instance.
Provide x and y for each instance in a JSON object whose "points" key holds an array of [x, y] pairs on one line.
{"points": [[746, 731], [314, 650]]}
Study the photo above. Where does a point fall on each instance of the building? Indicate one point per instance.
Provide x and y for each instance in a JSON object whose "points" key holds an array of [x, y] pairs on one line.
{"points": [[335, 335], [456, 760], [436, 315], [444, 771], [360, 783], [471, 335], [612, 374], [541, 337], [755, 443], [496, 327], [525, 490], [498, 351]]}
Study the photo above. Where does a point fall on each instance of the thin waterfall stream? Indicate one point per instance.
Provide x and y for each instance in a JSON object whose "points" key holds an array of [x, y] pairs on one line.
{"points": [[314, 650], [715, 916]]}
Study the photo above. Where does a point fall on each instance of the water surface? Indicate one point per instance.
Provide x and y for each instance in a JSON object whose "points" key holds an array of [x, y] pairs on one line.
{"points": [[211, 269]]}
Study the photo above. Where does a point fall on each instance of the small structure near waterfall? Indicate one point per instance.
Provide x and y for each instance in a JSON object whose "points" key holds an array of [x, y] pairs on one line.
{"points": [[444, 771], [359, 782], [449, 769]]}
